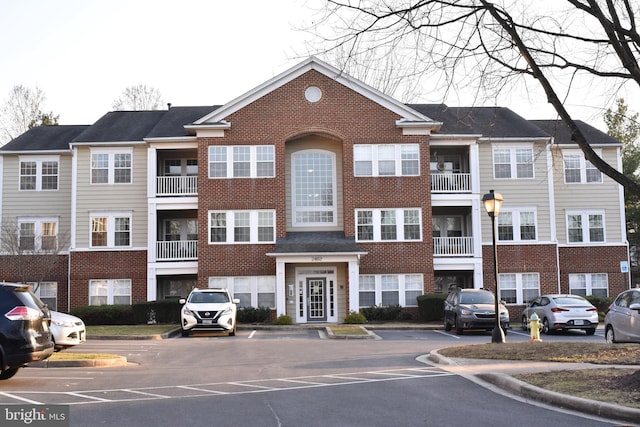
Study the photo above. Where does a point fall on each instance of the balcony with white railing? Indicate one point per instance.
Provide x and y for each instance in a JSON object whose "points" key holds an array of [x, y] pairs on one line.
{"points": [[452, 246], [177, 250], [450, 182], [177, 186]]}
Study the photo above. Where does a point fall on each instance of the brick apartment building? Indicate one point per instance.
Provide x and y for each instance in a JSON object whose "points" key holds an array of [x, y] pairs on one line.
{"points": [[312, 194]]}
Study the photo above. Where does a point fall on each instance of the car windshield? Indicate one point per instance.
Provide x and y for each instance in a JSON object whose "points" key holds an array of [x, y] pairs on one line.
{"points": [[476, 298], [209, 297], [571, 301]]}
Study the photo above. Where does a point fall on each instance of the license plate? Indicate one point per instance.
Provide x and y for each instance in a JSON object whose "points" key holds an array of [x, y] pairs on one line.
{"points": [[207, 322], [578, 322]]}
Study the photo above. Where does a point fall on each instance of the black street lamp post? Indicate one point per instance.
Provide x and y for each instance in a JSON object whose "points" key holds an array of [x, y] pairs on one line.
{"points": [[492, 203]]}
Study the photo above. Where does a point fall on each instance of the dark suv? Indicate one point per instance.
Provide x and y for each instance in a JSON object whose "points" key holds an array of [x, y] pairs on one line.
{"points": [[472, 309], [24, 329]]}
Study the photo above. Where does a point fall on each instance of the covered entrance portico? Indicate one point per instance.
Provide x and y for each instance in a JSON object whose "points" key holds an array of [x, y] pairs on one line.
{"points": [[316, 286]]}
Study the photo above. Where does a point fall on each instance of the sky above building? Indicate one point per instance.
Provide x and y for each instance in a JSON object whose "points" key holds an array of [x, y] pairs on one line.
{"points": [[83, 54]]}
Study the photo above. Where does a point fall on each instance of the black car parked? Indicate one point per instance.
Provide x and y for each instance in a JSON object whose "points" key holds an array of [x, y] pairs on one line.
{"points": [[24, 329]]}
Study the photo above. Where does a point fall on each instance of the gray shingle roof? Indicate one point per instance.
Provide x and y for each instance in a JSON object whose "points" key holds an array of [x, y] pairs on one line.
{"points": [[121, 126], [172, 123], [313, 242], [494, 122], [562, 135], [45, 138]]}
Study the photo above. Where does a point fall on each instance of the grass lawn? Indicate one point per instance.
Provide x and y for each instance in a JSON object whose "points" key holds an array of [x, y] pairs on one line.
{"points": [[129, 329]]}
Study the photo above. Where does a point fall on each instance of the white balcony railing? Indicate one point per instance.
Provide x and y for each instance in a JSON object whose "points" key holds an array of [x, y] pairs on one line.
{"points": [[176, 186], [178, 250], [452, 246], [450, 182]]}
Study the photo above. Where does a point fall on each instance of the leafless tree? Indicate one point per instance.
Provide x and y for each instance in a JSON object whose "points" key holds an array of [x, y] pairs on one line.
{"points": [[30, 259], [140, 97], [21, 110], [488, 46]]}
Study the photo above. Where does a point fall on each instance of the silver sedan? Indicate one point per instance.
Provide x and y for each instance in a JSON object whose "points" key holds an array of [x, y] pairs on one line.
{"points": [[560, 312]]}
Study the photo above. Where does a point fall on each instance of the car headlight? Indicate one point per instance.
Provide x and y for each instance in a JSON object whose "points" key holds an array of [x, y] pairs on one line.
{"points": [[466, 312], [188, 312], [62, 324], [227, 311]]}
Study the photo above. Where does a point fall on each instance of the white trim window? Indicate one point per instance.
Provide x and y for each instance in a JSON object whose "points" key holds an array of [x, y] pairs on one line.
{"points": [[518, 288], [242, 226], [389, 289], [110, 230], [578, 170], [386, 160], [38, 234], [519, 224], [585, 284], [313, 188], [39, 173], [109, 291], [252, 291], [585, 227], [111, 166], [388, 225], [47, 292], [241, 161], [513, 162]]}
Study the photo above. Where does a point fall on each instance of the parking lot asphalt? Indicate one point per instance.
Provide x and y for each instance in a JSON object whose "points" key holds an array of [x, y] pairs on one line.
{"points": [[492, 374]]}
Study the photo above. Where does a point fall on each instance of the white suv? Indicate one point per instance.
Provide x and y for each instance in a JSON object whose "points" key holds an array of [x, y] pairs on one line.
{"points": [[210, 309]]}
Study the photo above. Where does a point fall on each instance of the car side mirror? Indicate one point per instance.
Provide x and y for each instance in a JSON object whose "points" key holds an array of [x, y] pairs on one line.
{"points": [[236, 301], [634, 306], [182, 301]]}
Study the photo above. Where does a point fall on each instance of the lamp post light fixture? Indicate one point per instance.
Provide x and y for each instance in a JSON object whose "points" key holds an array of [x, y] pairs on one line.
{"points": [[492, 203]]}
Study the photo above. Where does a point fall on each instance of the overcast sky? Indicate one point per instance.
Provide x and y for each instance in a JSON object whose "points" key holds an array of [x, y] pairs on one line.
{"points": [[84, 53]]}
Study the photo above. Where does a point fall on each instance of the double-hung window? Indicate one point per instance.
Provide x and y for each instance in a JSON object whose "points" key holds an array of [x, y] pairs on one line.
{"points": [[578, 170], [512, 162], [389, 289], [518, 288], [47, 292], [517, 225], [256, 226], [109, 291], [584, 284], [252, 291], [386, 159], [241, 161], [585, 227], [111, 166], [38, 234], [388, 224], [109, 230], [39, 173]]}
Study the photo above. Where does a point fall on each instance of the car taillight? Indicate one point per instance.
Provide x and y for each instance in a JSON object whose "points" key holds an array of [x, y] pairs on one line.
{"points": [[592, 309], [558, 309], [21, 312]]}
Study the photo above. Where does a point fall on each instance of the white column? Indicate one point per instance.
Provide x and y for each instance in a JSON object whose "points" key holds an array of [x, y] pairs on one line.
{"points": [[152, 287], [354, 282], [281, 289]]}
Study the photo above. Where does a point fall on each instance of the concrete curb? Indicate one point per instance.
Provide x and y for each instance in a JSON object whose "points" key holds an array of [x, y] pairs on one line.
{"points": [[594, 407], [369, 336], [82, 363], [512, 385]]}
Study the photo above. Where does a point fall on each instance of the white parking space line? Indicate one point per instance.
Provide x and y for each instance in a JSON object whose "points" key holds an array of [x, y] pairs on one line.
{"points": [[447, 334], [252, 334], [511, 331], [22, 399]]}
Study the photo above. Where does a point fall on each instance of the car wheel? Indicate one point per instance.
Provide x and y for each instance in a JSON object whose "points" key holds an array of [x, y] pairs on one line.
{"points": [[459, 329], [525, 323], [8, 373], [545, 327], [505, 331], [610, 336], [232, 333], [447, 325], [591, 331], [185, 333]]}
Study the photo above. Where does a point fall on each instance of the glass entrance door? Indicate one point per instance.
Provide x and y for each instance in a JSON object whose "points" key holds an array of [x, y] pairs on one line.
{"points": [[316, 292]]}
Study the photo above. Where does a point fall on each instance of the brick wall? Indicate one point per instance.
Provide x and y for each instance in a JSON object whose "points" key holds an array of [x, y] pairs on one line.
{"points": [[594, 259], [107, 265]]}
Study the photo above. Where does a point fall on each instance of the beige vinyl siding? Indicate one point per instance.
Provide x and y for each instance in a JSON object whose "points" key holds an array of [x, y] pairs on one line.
{"points": [[315, 143], [584, 197], [518, 193], [38, 204], [93, 198]]}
